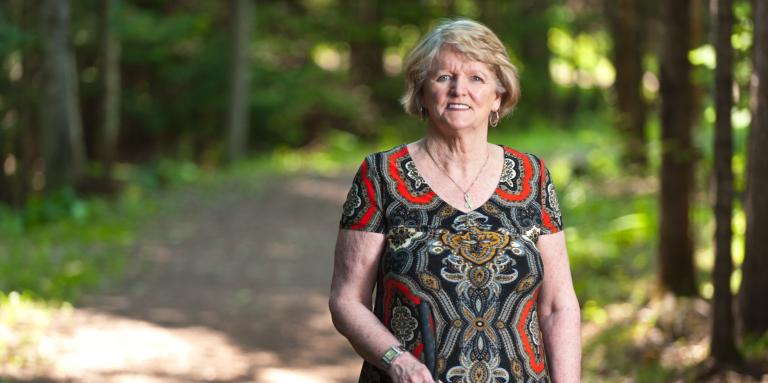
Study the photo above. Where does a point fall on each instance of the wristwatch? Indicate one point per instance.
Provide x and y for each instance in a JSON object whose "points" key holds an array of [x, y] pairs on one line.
{"points": [[392, 354]]}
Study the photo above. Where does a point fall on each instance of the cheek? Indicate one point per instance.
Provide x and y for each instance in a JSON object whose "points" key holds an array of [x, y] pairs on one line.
{"points": [[480, 91], [432, 96], [489, 95]]}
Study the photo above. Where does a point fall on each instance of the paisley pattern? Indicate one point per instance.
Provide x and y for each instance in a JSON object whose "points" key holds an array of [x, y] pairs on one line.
{"points": [[459, 290]]}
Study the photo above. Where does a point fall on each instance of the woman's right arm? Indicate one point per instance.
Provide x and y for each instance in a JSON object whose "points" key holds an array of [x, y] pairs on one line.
{"points": [[354, 274]]}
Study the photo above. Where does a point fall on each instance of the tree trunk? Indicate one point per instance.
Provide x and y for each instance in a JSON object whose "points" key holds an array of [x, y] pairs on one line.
{"points": [[366, 46], [625, 22], [722, 344], [63, 147], [676, 269], [754, 283], [239, 87], [30, 140], [9, 143], [366, 52], [535, 80], [110, 101]]}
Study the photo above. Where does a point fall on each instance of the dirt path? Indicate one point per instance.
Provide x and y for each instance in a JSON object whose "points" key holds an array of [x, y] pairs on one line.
{"points": [[230, 288]]}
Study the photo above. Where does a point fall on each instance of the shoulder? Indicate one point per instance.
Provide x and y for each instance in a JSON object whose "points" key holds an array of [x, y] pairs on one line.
{"points": [[527, 158], [377, 161], [400, 148]]}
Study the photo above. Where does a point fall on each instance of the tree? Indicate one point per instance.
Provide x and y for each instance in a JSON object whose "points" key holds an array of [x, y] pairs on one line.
{"points": [[110, 101], [10, 133], [722, 345], [61, 123], [625, 22], [528, 39], [239, 86], [754, 283], [675, 255], [366, 50]]}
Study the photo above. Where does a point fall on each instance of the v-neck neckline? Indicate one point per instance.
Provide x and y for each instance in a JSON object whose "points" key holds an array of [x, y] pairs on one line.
{"points": [[442, 200]]}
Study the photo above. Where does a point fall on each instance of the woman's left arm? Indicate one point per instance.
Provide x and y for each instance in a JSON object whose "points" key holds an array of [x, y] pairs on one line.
{"points": [[559, 313]]}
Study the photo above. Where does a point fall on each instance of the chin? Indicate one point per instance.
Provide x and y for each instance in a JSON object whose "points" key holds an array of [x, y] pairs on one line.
{"points": [[459, 125]]}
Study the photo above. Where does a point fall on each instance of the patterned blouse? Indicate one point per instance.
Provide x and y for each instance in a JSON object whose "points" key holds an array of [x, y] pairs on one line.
{"points": [[459, 290]]}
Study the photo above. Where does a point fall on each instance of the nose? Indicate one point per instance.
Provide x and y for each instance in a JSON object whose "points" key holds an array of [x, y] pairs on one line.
{"points": [[459, 86]]}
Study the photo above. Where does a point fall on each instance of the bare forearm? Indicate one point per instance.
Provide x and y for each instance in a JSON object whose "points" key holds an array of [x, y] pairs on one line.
{"points": [[363, 329], [355, 266], [562, 341]]}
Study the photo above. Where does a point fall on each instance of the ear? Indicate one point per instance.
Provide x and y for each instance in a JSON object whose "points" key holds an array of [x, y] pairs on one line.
{"points": [[497, 101], [421, 111]]}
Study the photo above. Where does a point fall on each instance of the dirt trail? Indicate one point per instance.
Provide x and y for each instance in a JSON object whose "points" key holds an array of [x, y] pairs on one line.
{"points": [[230, 288]]}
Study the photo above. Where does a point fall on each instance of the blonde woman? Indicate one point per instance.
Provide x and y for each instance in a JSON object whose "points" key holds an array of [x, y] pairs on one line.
{"points": [[451, 263]]}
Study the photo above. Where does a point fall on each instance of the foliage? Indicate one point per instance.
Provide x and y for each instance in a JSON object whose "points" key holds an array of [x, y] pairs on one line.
{"points": [[60, 245], [175, 57]]}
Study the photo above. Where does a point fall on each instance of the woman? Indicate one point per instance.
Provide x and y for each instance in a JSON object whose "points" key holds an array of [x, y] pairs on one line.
{"points": [[454, 243]]}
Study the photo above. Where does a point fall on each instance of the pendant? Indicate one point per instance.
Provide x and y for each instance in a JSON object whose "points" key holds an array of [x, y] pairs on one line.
{"points": [[467, 201]]}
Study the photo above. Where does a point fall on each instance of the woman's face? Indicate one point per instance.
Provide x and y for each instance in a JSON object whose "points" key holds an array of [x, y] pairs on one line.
{"points": [[460, 93]]}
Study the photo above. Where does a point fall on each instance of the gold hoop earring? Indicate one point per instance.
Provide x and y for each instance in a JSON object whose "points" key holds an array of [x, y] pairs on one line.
{"points": [[494, 118]]}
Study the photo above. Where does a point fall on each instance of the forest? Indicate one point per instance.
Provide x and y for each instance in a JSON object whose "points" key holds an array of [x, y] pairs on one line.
{"points": [[172, 174]]}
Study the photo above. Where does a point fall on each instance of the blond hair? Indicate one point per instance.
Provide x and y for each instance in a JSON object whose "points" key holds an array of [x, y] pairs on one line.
{"points": [[473, 40]]}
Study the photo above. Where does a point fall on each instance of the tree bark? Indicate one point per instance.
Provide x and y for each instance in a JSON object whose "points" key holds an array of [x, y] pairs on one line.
{"points": [[63, 147], [366, 52], [9, 144], [625, 22], [675, 256], [535, 80], [754, 284], [722, 344], [367, 45], [30, 138], [239, 87], [110, 101]]}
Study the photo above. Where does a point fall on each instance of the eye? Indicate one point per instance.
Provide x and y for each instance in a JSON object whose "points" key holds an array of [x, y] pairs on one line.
{"points": [[444, 77], [477, 78]]}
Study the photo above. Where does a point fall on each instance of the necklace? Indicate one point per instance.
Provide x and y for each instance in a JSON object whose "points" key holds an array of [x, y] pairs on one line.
{"points": [[467, 197]]}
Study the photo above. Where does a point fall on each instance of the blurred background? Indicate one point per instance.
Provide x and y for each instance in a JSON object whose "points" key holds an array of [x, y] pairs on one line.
{"points": [[173, 173]]}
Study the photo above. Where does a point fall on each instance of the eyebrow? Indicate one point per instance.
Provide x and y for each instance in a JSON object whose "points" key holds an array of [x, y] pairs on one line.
{"points": [[471, 71]]}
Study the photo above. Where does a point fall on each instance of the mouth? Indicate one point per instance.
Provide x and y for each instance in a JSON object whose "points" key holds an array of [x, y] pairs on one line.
{"points": [[457, 106]]}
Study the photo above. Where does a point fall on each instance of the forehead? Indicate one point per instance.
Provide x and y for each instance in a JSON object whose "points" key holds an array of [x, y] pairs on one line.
{"points": [[453, 60]]}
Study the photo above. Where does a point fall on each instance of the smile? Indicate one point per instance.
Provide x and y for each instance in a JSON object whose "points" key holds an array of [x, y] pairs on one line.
{"points": [[458, 106]]}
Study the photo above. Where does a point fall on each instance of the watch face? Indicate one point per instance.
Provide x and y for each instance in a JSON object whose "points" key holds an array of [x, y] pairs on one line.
{"points": [[391, 354]]}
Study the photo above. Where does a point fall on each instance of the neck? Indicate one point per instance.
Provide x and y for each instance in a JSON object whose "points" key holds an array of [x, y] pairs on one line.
{"points": [[461, 153]]}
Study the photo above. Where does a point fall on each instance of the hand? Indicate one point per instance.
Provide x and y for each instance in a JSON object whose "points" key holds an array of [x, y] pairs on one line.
{"points": [[408, 369]]}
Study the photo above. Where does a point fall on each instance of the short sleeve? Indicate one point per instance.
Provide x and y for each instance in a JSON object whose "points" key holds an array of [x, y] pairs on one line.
{"points": [[551, 218], [362, 208]]}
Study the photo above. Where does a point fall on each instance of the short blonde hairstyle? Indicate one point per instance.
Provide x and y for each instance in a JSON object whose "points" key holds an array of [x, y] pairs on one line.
{"points": [[475, 41]]}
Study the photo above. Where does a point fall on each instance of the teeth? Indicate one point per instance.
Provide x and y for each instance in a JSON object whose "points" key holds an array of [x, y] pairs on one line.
{"points": [[458, 106]]}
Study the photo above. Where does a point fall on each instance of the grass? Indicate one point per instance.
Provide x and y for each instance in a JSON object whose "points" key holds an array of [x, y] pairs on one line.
{"points": [[58, 247]]}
